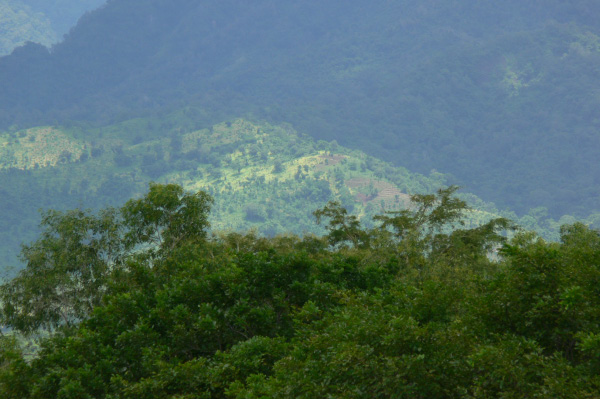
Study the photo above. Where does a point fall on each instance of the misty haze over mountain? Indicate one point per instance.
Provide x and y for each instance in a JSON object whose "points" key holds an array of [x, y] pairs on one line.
{"points": [[39, 21], [500, 95]]}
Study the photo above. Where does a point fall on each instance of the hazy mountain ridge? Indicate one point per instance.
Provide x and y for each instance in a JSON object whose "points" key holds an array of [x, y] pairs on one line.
{"points": [[481, 90], [20, 24], [63, 14], [39, 21]]}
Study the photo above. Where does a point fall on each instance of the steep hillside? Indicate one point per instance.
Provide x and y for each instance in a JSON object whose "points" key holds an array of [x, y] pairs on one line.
{"points": [[262, 176], [482, 90]]}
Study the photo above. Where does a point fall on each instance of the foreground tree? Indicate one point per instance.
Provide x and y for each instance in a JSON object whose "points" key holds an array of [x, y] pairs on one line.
{"points": [[68, 267], [66, 270], [165, 218]]}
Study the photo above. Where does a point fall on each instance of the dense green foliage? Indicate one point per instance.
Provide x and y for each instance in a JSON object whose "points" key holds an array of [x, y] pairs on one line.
{"points": [[485, 90], [420, 307]]}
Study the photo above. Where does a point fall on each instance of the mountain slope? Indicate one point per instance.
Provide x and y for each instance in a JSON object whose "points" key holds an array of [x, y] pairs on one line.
{"points": [[486, 91]]}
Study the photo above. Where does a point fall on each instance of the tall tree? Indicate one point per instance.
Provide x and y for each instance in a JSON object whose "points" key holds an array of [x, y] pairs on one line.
{"points": [[68, 266]]}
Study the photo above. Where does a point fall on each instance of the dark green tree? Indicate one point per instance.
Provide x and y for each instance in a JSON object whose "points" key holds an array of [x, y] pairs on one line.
{"points": [[67, 268], [342, 228], [166, 217], [183, 315]]}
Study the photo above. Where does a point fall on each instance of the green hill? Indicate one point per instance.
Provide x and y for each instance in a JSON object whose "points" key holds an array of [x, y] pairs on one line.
{"points": [[264, 177]]}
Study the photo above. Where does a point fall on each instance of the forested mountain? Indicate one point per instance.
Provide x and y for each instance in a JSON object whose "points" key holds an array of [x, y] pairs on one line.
{"points": [[487, 91]]}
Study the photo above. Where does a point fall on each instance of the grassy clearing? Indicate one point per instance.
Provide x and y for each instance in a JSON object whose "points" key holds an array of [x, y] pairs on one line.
{"points": [[38, 148]]}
